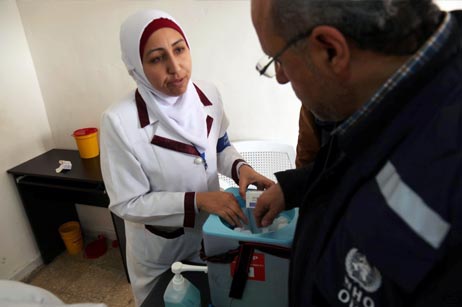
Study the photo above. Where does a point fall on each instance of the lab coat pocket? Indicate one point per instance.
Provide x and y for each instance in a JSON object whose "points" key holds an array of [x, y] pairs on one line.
{"points": [[162, 250], [171, 234]]}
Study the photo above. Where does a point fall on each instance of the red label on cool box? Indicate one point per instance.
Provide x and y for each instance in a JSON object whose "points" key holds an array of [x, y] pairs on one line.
{"points": [[256, 268]]}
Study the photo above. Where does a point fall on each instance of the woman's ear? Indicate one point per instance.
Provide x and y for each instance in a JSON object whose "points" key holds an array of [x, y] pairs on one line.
{"points": [[330, 49]]}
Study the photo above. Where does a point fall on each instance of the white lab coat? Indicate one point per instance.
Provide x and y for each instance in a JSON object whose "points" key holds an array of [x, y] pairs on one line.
{"points": [[147, 185], [19, 294]]}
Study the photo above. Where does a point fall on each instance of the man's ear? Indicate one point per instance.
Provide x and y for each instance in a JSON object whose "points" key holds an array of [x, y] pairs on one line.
{"points": [[330, 49]]}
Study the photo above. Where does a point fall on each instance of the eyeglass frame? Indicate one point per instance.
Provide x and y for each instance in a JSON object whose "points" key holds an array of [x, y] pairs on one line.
{"points": [[278, 54]]}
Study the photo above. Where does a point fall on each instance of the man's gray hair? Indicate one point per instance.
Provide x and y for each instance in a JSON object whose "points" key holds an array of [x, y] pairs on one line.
{"points": [[397, 27]]}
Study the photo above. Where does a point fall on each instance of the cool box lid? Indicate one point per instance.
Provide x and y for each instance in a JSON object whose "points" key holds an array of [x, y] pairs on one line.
{"points": [[215, 226]]}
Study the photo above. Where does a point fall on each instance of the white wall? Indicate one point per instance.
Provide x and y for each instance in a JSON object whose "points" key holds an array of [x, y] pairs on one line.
{"points": [[24, 133], [449, 5], [60, 68], [75, 47]]}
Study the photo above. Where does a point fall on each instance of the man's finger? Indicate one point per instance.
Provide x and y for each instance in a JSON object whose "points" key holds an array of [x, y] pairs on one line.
{"points": [[258, 214], [268, 218]]}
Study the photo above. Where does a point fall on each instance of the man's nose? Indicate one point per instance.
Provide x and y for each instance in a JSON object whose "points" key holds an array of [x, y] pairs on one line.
{"points": [[280, 74]]}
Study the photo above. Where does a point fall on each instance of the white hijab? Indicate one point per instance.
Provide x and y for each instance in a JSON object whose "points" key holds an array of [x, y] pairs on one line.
{"points": [[183, 114]]}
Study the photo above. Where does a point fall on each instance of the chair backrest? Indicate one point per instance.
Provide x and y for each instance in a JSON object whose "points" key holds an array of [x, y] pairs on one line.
{"points": [[266, 157]]}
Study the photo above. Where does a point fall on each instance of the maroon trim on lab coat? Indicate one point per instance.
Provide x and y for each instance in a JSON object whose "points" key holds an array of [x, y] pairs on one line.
{"points": [[209, 121], [234, 171], [175, 145], [142, 110], [165, 234], [189, 209], [205, 101]]}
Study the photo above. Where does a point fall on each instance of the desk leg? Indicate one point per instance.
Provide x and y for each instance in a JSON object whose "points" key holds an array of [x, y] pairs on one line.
{"points": [[45, 215], [119, 227]]}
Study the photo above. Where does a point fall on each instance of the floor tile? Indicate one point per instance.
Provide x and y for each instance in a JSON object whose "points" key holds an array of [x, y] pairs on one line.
{"points": [[75, 279], [95, 283], [120, 296]]}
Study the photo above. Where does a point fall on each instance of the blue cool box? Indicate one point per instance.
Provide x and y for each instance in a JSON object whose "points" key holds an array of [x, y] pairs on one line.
{"points": [[219, 238], [217, 227]]}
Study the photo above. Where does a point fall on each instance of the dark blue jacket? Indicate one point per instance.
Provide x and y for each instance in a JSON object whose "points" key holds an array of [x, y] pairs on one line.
{"points": [[381, 209]]}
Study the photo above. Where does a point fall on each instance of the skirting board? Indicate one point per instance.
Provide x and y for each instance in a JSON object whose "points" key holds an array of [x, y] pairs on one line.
{"points": [[24, 272]]}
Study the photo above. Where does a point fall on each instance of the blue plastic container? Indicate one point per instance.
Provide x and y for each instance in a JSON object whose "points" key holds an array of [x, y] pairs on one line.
{"points": [[268, 275]]}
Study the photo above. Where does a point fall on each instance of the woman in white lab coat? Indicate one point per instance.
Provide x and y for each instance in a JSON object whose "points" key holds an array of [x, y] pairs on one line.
{"points": [[161, 150]]}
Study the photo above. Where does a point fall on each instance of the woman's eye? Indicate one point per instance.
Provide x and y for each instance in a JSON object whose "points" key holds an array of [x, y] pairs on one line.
{"points": [[179, 50], [155, 60]]}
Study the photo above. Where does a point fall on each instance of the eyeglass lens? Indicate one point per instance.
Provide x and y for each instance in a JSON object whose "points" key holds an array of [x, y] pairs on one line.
{"points": [[270, 70]]}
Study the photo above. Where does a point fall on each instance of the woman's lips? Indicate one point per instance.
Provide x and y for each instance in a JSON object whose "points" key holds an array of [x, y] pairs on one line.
{"points": [[176, 82]]}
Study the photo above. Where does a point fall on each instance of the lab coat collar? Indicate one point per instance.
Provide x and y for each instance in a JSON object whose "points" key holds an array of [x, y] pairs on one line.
{"points": [[146, 118]]}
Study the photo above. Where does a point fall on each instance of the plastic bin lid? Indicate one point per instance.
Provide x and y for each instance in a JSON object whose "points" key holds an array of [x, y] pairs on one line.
{"points": [[84, 131], [215, 226]]}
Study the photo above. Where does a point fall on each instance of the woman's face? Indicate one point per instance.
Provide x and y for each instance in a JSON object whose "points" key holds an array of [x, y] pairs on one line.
{"points": [[167, 62]]}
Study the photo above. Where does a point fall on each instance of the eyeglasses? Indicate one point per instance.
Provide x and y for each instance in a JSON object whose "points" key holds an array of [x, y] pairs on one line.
{"points": [[266, 64]]}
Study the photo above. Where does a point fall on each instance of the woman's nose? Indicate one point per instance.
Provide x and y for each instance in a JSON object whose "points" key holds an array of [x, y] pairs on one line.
{"points": [[173, 65], [280, 74]]}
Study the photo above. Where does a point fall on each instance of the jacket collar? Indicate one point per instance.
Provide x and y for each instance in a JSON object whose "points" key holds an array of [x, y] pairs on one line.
{"points": [[405, 106]]}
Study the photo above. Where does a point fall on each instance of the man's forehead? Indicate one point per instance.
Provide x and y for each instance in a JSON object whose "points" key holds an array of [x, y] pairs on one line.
{"points": [[262, 21], [260, 11]]}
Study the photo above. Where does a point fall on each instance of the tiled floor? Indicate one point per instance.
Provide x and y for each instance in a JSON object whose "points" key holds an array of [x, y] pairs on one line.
{"points": [[75, 279]]}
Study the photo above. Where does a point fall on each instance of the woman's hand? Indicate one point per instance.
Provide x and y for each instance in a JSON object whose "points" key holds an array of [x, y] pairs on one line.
{"points": [[222, 204], [248, 176], [269, 205]]}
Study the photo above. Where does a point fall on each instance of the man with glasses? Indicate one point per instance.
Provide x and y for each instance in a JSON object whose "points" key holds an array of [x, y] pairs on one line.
{"points": [[380, 220]]}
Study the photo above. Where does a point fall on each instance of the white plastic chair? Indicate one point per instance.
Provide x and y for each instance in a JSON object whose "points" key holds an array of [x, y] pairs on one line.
{"points": [[266, 157]]}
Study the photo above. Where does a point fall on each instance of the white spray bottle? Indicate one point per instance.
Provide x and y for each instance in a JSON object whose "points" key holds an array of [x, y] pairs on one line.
{"points": [[180, 291]]}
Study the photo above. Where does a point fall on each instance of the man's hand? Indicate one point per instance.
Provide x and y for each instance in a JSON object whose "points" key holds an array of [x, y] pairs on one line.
{"points": [[269, 205]]}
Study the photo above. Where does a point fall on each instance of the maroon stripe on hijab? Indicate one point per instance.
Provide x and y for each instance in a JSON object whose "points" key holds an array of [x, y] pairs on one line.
{"points": [[174, 145], [205, 101], [155, 25], [142, 110]]}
